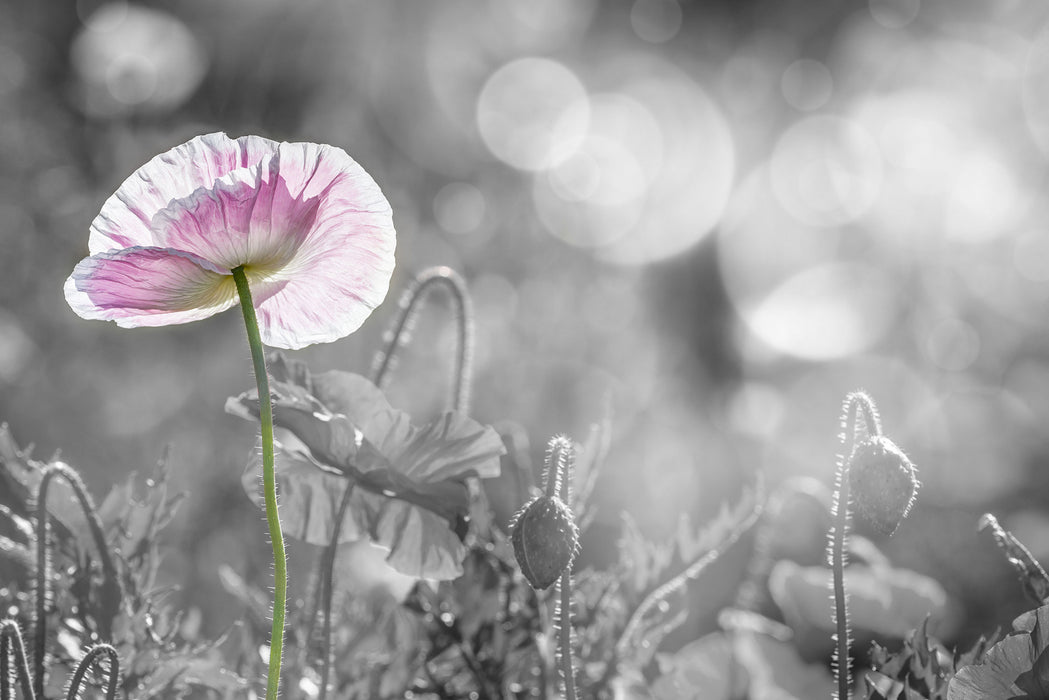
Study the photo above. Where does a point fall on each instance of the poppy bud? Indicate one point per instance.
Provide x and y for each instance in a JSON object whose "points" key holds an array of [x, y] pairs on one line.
{"points": [[883, 483], [545, 540]]}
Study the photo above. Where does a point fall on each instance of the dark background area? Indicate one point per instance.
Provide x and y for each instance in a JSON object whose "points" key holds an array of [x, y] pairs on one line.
{"points": [[725, 216]]}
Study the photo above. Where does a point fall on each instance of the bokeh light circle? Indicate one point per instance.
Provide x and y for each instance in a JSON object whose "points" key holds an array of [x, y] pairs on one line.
{"points": [[523, 116], [132, 58], [653, 174], [807, 84], [789, 284], [894, 14], [459, 207], [825, 312], [826, 170], [656, 21], [1035, 90]]}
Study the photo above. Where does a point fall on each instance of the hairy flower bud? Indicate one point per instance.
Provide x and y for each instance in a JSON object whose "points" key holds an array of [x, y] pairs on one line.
{"points": [[545, 540], [883, 483]]}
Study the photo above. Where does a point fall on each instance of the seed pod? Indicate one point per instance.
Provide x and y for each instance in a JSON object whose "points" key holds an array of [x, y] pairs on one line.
{"points": [[545, 540], [883, 483]]}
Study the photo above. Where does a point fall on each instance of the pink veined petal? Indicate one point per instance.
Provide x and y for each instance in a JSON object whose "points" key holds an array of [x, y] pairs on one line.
{"points": [[230, 224], [340, 274], [261, 215], [148, 287], [342, 266], [126, 216]]}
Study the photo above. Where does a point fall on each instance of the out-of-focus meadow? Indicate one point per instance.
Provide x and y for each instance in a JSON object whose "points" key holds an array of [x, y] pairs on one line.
{"points": [[713, 219]]}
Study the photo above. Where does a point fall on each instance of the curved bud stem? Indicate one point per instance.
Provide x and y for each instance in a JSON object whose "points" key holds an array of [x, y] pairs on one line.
{"points": [[11, 646], [854, 429], [92, 656], [410, 305], [112, 591]]}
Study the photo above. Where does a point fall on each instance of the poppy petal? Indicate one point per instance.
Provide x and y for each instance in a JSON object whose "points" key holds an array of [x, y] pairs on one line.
{"points": [[260, 215], [148, 287], [341, 270], [125, 218]]}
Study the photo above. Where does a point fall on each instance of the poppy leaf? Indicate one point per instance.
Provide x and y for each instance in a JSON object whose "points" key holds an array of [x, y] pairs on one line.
{"points": [[410, 484]]}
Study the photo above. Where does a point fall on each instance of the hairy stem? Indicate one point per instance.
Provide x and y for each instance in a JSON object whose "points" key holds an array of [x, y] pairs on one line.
{"points": [[269, 483], [566, 635], [410, 306], [90, 658], [111, 592], [11, 646], [560, 462], [557, 469], [854, 429]]}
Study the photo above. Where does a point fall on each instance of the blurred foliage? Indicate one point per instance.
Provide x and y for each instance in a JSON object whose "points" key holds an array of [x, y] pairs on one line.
{"points": [[161, 653]]}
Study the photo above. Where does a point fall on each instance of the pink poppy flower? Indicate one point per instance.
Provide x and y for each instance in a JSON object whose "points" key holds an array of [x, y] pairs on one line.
{"points": [[311, 228]]}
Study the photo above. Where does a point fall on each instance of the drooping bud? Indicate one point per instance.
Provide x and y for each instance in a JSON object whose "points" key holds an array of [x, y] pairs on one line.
{"points": [[543, 533], [545, 540], [883, 483]]}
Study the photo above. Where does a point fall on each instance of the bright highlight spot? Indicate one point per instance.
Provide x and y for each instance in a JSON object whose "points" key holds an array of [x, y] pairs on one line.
{"points": [[653, 174], [825, 313], [136, 58], [523, 114], [985, 200], [826, 171]]}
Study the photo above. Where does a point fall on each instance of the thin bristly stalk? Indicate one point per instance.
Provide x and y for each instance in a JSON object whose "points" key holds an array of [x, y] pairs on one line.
{"points": [[565, 623], [410, 306], [853, 431], [43, 560], [89, 659], [560, 461], [327, 575], [11, 646], [5, 670], [269, 483], [557, 469]]}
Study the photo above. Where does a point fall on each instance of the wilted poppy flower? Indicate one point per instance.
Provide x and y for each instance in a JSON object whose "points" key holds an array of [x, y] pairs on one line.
{"points": [[311, 228], [410, 492]]}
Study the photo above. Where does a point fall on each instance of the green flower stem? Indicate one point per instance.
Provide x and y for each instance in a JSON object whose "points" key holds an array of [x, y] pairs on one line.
{"points": [[853, 430], [269, 483]]}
